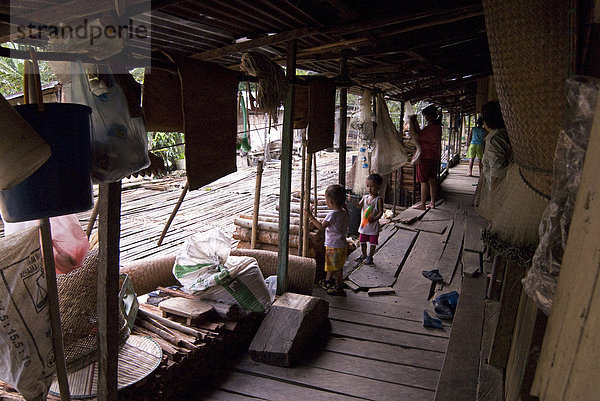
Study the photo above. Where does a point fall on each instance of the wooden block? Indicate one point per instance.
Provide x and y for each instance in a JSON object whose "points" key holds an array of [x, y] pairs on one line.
{"points": [[193, 310], [381, 291], [287, 329], [473, 226], [350, 284]]}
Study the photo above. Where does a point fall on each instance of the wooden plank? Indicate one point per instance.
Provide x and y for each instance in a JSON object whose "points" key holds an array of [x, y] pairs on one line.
{"points": [[458, 378], [351, 285], [194, 310], [338, 382], [433, 226], [472, 263], [273, 389], [522, 360], [219, 395], [386, 352], [407, 326], [394, 307], [381, 291], [386, 233], [568, 361], [288, 328], [415, 288], [509, 305], [388, 336], [491, 379], [450, 257], [410, 215], [447, 232], [108, 289], [372, 276]]}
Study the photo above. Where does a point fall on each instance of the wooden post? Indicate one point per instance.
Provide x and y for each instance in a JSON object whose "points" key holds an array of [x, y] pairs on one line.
{"points": [[259, 172], [315, 191], [342, 121], [306, 205], [173, 213], [285, 181], [57, 340], [395, 174], [108, 289], [301, 235]]}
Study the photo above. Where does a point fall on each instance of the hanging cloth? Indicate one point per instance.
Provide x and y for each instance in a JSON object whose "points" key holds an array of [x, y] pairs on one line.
{"points": [[321, 115], [209, 101], [389, 153]]}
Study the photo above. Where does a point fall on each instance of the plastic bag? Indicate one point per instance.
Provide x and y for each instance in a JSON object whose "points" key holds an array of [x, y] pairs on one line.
{"points": [[542, 278], [69, 242], [119, 142], [26, 354], [203, 266]]}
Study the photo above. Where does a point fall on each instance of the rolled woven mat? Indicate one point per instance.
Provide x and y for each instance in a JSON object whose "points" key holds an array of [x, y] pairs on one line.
{"points": [[514, 213], [301, 271], [147, 274], [529, 47], [77, 300]]}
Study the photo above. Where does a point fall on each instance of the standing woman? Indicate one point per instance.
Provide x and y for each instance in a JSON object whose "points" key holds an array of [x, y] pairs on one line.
{"points": [[476, 140], [430, 140]]}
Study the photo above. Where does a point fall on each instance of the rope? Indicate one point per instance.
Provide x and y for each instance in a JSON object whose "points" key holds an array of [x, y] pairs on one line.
{"points": [[272, 83]]}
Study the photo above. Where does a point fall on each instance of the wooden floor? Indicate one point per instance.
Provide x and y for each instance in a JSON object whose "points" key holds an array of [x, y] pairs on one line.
{"points": [[377, 347]]}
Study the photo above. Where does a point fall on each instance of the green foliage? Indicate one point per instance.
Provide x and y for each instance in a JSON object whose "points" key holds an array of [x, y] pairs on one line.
{"points": [[168, 146], [11, 72]]}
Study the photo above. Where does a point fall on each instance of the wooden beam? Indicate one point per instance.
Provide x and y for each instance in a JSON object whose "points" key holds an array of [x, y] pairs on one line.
{"points": [[285, 186], [255, 43], [108, 289]]}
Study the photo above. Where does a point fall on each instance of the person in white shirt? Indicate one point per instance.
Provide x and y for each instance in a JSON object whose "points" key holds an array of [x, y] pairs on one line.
{"points": [[371, 211], [335, 225]]}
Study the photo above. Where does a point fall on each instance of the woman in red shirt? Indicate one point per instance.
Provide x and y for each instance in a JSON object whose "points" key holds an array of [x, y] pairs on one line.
{"points": [[430, 140]]}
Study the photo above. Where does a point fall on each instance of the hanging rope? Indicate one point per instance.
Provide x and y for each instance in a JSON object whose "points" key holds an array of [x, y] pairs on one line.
{"points": [[272, 83]]}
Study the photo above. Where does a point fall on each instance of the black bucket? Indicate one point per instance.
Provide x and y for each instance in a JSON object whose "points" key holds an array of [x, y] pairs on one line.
{"points": [[62, 185]]}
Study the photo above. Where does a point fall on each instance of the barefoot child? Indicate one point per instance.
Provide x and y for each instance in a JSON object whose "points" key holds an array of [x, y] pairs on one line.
{"points": [[371, 210], [336, 246]]}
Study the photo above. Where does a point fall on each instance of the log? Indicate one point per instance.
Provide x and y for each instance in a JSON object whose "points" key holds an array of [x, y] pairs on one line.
{"points": [[266, 237], [268, 218], [265, 247], [288, 327], [265, 226]]}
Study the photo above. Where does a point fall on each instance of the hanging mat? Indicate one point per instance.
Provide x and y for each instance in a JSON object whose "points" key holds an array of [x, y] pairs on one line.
{"points": [[162, 95], [389, 153], [321, 115], [209, 94]]}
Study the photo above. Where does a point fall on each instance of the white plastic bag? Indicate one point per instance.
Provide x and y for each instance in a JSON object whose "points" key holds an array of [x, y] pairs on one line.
{"points": [[26, 354], [119, 142], [203, 266]]}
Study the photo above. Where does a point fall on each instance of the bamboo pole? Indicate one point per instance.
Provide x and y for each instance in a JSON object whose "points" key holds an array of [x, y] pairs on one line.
{"points": [[259, 172], [301, 235], [342, 121], [173, 213], [92, 220], [306, 204], [57, 340]]}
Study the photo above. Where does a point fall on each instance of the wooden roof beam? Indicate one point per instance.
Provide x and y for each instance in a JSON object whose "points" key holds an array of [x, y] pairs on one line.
{"points": [[255, 43]]}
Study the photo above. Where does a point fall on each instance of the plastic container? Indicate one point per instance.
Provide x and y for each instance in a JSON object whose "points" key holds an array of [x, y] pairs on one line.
{"points": [[62, 185]]}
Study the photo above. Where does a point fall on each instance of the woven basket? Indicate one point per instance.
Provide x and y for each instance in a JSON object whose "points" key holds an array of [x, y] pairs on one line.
{"points": [[529, 45], [77, 299]]}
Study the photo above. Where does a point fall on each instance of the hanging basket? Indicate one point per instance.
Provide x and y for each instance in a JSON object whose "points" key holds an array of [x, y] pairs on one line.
{"points": [[529, 46]]}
